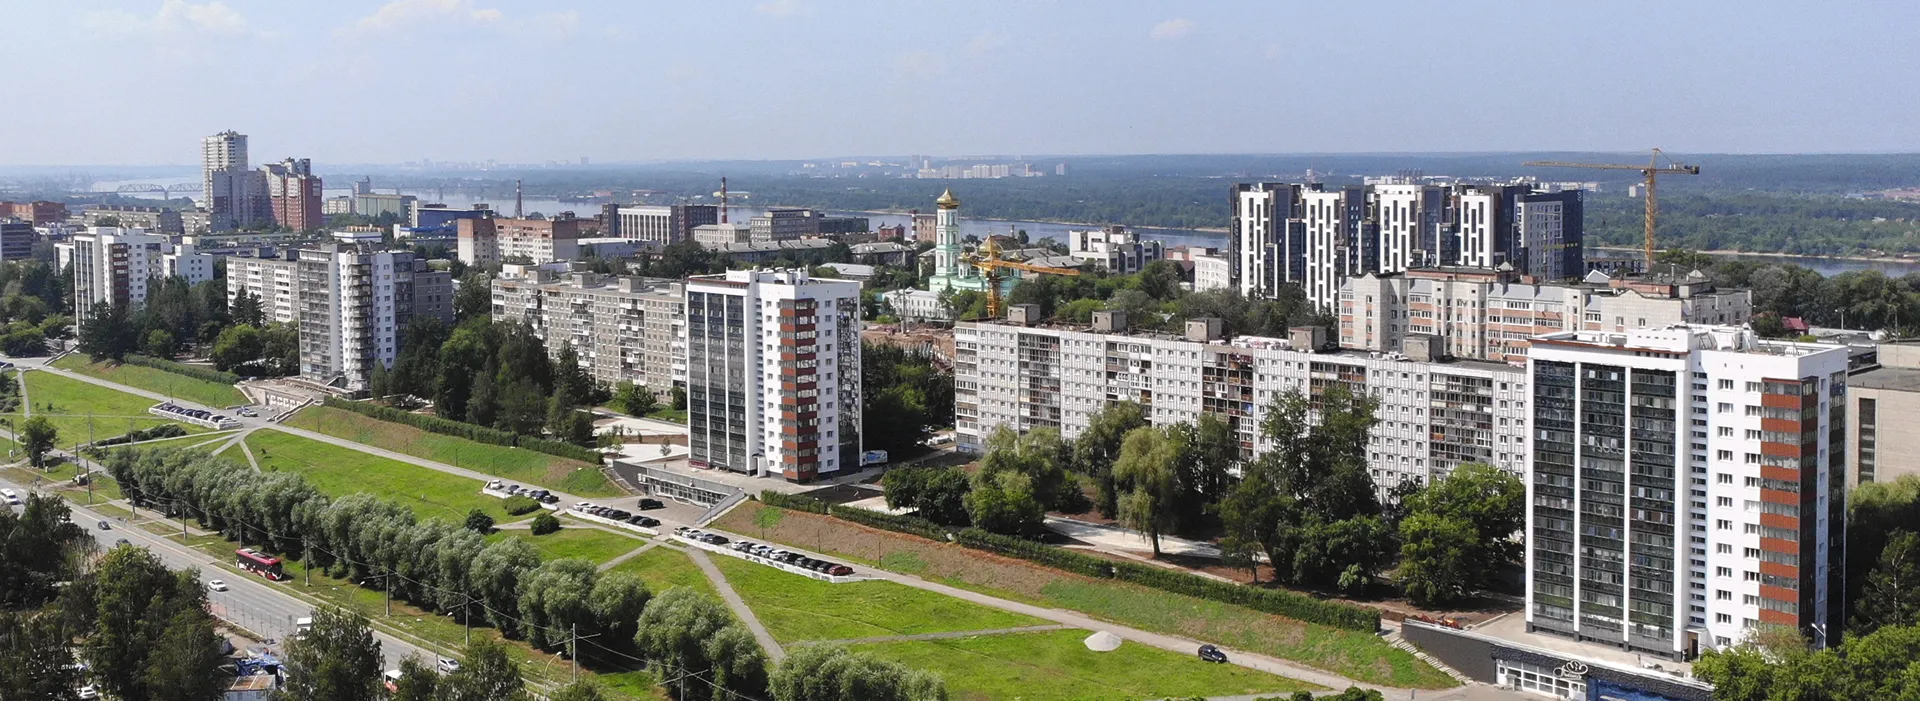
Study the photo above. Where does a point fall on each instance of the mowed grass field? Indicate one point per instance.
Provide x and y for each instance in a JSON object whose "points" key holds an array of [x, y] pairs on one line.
{"points": [[664, 568], [512, 464], [339, 471], [193, 389], [1057, 666], [77, 409], [1353, 654], [574, 540], [796, 608]]}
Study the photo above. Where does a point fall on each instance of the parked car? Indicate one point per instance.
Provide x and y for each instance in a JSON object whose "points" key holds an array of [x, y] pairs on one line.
{"points": [[1212, 654], [681, 530], [495, 484], [716, 539], [448, 665], [839, 570], [645, 521], [651, 504], [87, 693], [216, 585]]}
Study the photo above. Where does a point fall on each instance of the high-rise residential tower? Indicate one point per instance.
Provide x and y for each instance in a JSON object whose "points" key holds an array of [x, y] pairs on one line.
{"points": [[294, 194], [235, 194], [1685, 487], [773, 373]]}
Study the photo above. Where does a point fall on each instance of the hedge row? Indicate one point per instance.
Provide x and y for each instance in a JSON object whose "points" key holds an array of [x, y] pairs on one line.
{"points": [[193, 371], [1278, 602], [472, 432]]}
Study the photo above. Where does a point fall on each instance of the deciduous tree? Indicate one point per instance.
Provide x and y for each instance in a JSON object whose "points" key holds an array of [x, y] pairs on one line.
{"points": [[337, 660]]}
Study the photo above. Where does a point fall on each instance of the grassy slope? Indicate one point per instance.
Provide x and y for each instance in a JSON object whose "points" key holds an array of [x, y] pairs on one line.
{"points": [[339, 471], [799, 608], [1056, 665], [192, 389], [575, 541], [516, 464], [664, 568], [112, 412]]}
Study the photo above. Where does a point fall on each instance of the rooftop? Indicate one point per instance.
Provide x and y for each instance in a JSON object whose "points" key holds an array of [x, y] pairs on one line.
{"points": [[1683, 338]]}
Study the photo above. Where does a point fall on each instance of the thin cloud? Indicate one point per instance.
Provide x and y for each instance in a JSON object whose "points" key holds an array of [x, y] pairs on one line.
{"points": [[175, 18], [782, 8], [988, 42], [403, 13], [1176, 28]]}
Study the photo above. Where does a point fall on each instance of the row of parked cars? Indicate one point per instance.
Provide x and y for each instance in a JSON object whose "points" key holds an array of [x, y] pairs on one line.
{"points": [[792, 558], [609, 512], [191, 413], [540, 495]]}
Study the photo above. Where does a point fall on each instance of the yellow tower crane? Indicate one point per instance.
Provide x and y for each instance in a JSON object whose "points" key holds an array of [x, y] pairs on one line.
{"points": [[1650, 170], [987, 259]]}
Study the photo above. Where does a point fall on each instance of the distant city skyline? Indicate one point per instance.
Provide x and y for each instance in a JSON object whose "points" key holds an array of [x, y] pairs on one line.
{"points": [[519, 81]]}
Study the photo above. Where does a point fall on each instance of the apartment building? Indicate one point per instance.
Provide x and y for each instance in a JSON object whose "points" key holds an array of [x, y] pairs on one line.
{"points": [[497, 240], [159, 220], [664, 224], [37, 212], [294, 194], [773, 373], [1114, 249], [275, 281], [1212, 272], [623, 329], [1683, 487], [1878, 396], [16, 239], [1490, 314], [116, 265], [235, 195], [1318, 237], [353, 303], [1433, 415]]}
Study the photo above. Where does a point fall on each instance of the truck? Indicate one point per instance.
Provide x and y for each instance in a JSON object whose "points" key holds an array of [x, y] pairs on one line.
{"points": [[873, 457]]}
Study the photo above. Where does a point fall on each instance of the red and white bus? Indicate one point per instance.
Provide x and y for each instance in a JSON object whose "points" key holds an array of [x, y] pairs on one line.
{"points": [[259, 563]]}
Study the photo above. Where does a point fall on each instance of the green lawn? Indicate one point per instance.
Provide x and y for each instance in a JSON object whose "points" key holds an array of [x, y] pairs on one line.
{"points": [[516, 464], [339, 471], [192, 389], [801, 608], [1055, 665], [61, 477], [79, 410], [575, 541], [663, 568]]}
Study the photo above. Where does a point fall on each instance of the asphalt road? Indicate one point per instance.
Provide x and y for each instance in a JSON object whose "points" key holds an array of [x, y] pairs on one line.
{"points": [[251, 602]]}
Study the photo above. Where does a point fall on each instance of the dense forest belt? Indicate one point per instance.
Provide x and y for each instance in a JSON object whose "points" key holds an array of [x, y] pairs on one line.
{"points": [[1761, 223]]}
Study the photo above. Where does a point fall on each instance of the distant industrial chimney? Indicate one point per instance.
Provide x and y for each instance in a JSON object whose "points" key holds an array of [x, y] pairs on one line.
{"points": [[517, 213]]}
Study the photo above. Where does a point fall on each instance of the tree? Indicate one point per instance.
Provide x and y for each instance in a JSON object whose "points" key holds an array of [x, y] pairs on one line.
{"points": [[937, 494], [582, 690], [473, 297], [185, 660], [108, 332], [495, 578], [37, 436], [1146, 476], [40, 547], [1489, 504], [1778, 665], [150, 630], [486, 674], [690, 634], [1875, 511], [1042, 457], [1099, 446], [1004, 502], [246, 310], [553, 600], [543, 523], [679, 398], [831, 673], [633, 399], [479, 522], [1892, 593], [237, 346], [337, 660], [1436, 559], [617, 601], [418, 681], [38, 663]]}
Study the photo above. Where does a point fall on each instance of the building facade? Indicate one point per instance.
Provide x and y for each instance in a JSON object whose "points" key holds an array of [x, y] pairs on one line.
{"points": [[354, 303], [715, 235], [1113, 249], [1879, 448], [773, 373], [1433, 416], [623, 329], [158, 220], [114, 266], [16, 239], [917, 305], [1212, 272], [1684, 487], [664, 224], [496, 240], [294, 194], [1487, 314], [785, 224], [274, 281], [37, 212], [374, 204], [235, 194]]}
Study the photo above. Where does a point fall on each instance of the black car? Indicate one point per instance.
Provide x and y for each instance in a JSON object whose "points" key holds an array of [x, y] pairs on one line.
{"points": [[716, 539], [1212, 654], [651, 504], [646, 521]]}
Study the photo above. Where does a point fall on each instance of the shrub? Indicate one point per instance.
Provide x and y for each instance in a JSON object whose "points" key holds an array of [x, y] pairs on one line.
{"points": [[792, 501], [543, 524], [193, 371], [462, 429], [479, 522], [519, 504], [146, 434]]}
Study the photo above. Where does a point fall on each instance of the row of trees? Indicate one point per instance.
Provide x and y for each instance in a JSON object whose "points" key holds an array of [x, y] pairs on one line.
{"points": [[1307, 507], [493, 374], [1862, 299], [176, 316], [142, 629], [1152, 298], [1779, 665], [904, 395], [33, 302]]}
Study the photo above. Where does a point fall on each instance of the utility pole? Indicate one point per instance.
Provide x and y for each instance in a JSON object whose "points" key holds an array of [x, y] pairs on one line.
{"points": [[306, 559], [573, 647]]}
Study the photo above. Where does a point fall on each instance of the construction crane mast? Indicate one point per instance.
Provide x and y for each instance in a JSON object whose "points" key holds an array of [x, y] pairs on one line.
{"points": [[1651, 170], [987, 259]]}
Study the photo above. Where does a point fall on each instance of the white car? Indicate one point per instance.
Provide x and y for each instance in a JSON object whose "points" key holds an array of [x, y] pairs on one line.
{"points": [[216, 585], [449, 665], [391, 680], [87, 693]]}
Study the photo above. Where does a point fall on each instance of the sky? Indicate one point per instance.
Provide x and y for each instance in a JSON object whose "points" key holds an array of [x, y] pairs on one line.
{"points": [[138, 82]]}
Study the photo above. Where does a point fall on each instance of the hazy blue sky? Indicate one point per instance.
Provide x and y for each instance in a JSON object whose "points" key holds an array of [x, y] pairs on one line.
{"points": [[342, 81]]}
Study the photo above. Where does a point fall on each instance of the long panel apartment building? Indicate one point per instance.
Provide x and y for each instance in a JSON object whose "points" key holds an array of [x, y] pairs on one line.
{"points": [[1433, 415], [1490, 314], [1685, 487], [116, 266], [1317, 237], [623, 329], [773, 373]]}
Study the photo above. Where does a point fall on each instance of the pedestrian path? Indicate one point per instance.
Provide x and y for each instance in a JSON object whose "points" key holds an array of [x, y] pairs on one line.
{"points": [[630, 554], [949, 635], [739, 606]]}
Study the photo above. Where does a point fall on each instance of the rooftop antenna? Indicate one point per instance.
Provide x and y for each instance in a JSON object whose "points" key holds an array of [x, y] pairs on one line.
{"points": [[517, 214]]}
